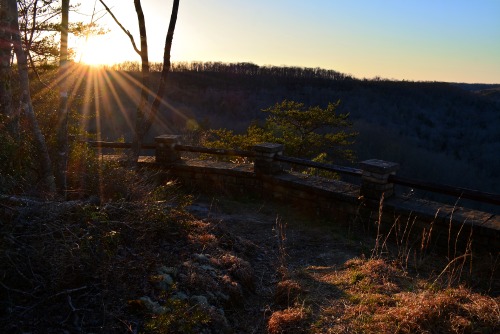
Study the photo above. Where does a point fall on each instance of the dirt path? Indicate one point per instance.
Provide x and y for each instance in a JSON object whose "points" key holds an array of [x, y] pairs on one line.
{"points": [[311, 277], [279, 245]]}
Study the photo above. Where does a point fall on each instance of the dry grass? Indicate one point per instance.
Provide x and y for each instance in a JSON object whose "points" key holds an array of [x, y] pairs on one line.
{"points": [[455, 310], [380, 298], [239, 269], [290, 320], [287, 292]]}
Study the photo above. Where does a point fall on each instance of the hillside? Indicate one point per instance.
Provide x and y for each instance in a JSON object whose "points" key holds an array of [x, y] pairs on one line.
{"points": [[441, 132]]}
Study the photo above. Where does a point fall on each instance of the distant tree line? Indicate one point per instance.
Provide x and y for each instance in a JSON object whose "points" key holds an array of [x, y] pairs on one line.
{"points": [[243, 68]]}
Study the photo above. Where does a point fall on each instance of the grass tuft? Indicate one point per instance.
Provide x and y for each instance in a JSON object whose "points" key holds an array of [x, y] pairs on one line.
{"points": [[290, 320]]}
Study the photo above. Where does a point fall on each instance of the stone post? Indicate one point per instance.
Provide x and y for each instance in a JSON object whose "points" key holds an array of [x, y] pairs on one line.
{"points": [[264, 162], [165, 149], [375, 178]]}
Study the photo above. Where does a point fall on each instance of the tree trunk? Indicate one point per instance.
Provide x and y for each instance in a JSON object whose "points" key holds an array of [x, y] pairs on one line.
{"points": [[10, 115], [62, 128], [144, 120], [155, 107], [26, 104], [144, 102]]}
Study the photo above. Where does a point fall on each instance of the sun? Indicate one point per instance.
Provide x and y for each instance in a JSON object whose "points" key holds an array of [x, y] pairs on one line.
{"points": [[92, 52], [101, 50]]}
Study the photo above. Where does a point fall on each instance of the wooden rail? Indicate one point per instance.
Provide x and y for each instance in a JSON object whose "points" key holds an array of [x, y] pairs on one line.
{"points": [[403, 181], [216, 151], [327, 167], [107, 144], [447, 190]]}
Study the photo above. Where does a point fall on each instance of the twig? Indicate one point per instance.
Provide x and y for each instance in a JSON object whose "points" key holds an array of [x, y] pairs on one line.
{"points": [[73, 308], [379, 222], [68, 291], [16, 290], [449, 264], [8, 207]]}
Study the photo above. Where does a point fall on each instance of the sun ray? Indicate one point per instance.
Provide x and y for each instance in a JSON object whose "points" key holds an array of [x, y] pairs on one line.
{"points": [[95, 84], [118, 99], [91, 103], [163, 102]]}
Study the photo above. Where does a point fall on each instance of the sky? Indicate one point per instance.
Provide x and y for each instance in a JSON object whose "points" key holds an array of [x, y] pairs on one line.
{"points": [[420, 40]]}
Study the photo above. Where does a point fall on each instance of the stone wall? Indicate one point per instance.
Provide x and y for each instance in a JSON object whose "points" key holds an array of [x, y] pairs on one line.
{"points": [[359, 207]]}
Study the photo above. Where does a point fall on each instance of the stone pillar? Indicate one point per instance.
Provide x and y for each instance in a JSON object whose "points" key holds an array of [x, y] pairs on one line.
{"points": [[165, 149], [264, 158], [375, 178]]}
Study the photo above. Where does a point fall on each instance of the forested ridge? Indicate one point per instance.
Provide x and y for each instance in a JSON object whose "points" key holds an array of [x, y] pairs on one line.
{"points": [[438, 131]]}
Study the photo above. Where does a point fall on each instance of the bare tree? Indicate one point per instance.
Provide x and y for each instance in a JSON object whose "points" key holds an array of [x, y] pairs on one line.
{"points": [[26, 103], [62, 128], [8, 113], [146, 113]]}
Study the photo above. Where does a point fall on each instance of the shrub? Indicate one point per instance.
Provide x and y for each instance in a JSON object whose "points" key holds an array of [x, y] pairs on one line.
{"points": [[307, 132]]}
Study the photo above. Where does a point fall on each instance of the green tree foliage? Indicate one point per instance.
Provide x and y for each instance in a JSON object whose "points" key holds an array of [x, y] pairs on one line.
{"points": [[316, 133], [40, 25]]}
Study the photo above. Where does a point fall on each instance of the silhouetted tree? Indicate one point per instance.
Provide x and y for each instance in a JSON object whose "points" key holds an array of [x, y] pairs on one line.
{"points": [[26, 103], [62, 126], [146, 112], [10, 115]]}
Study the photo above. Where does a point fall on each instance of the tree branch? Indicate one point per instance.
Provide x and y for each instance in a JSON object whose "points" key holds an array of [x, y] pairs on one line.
{"points": [[122, 27], [166, 67]]}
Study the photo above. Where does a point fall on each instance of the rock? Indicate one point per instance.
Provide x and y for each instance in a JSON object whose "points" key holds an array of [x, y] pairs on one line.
{"points": [[219, 321], [200, 300], [152, 306], [201, 257], [208, 268], [168, 270], [166, 282], [210, 295], [222, 296], [180, 296]]}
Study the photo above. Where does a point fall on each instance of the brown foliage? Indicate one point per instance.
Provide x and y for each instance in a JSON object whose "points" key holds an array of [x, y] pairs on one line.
{"points": [[449, 311], [240, 269], [287, 292], [290, 320]]}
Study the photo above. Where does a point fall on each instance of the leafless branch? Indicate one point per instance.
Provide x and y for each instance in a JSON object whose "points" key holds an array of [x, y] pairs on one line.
{"points": [[122, 27]]}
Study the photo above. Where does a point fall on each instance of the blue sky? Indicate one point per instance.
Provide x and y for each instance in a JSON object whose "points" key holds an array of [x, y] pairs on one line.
{"points": [[440, 40]]}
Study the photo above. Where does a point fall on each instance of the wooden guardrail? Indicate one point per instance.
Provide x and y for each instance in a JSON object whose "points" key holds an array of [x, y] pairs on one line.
{"points": [[116, 145], [215, 151], [457, 192], [328, 167]]}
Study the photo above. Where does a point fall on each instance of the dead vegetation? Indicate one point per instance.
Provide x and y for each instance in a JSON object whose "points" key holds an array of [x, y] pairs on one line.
{"points": [[290, 320], [124, 266], [151, 266], [381, 298]]}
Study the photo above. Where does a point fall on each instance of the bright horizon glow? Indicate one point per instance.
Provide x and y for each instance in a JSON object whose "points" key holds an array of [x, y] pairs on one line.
{"points": [[87, 55], [421, 40]]}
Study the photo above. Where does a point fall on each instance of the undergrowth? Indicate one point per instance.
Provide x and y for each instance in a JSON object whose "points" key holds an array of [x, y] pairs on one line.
{"points": [[399, 286], [73, 266], [134, 261]]}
